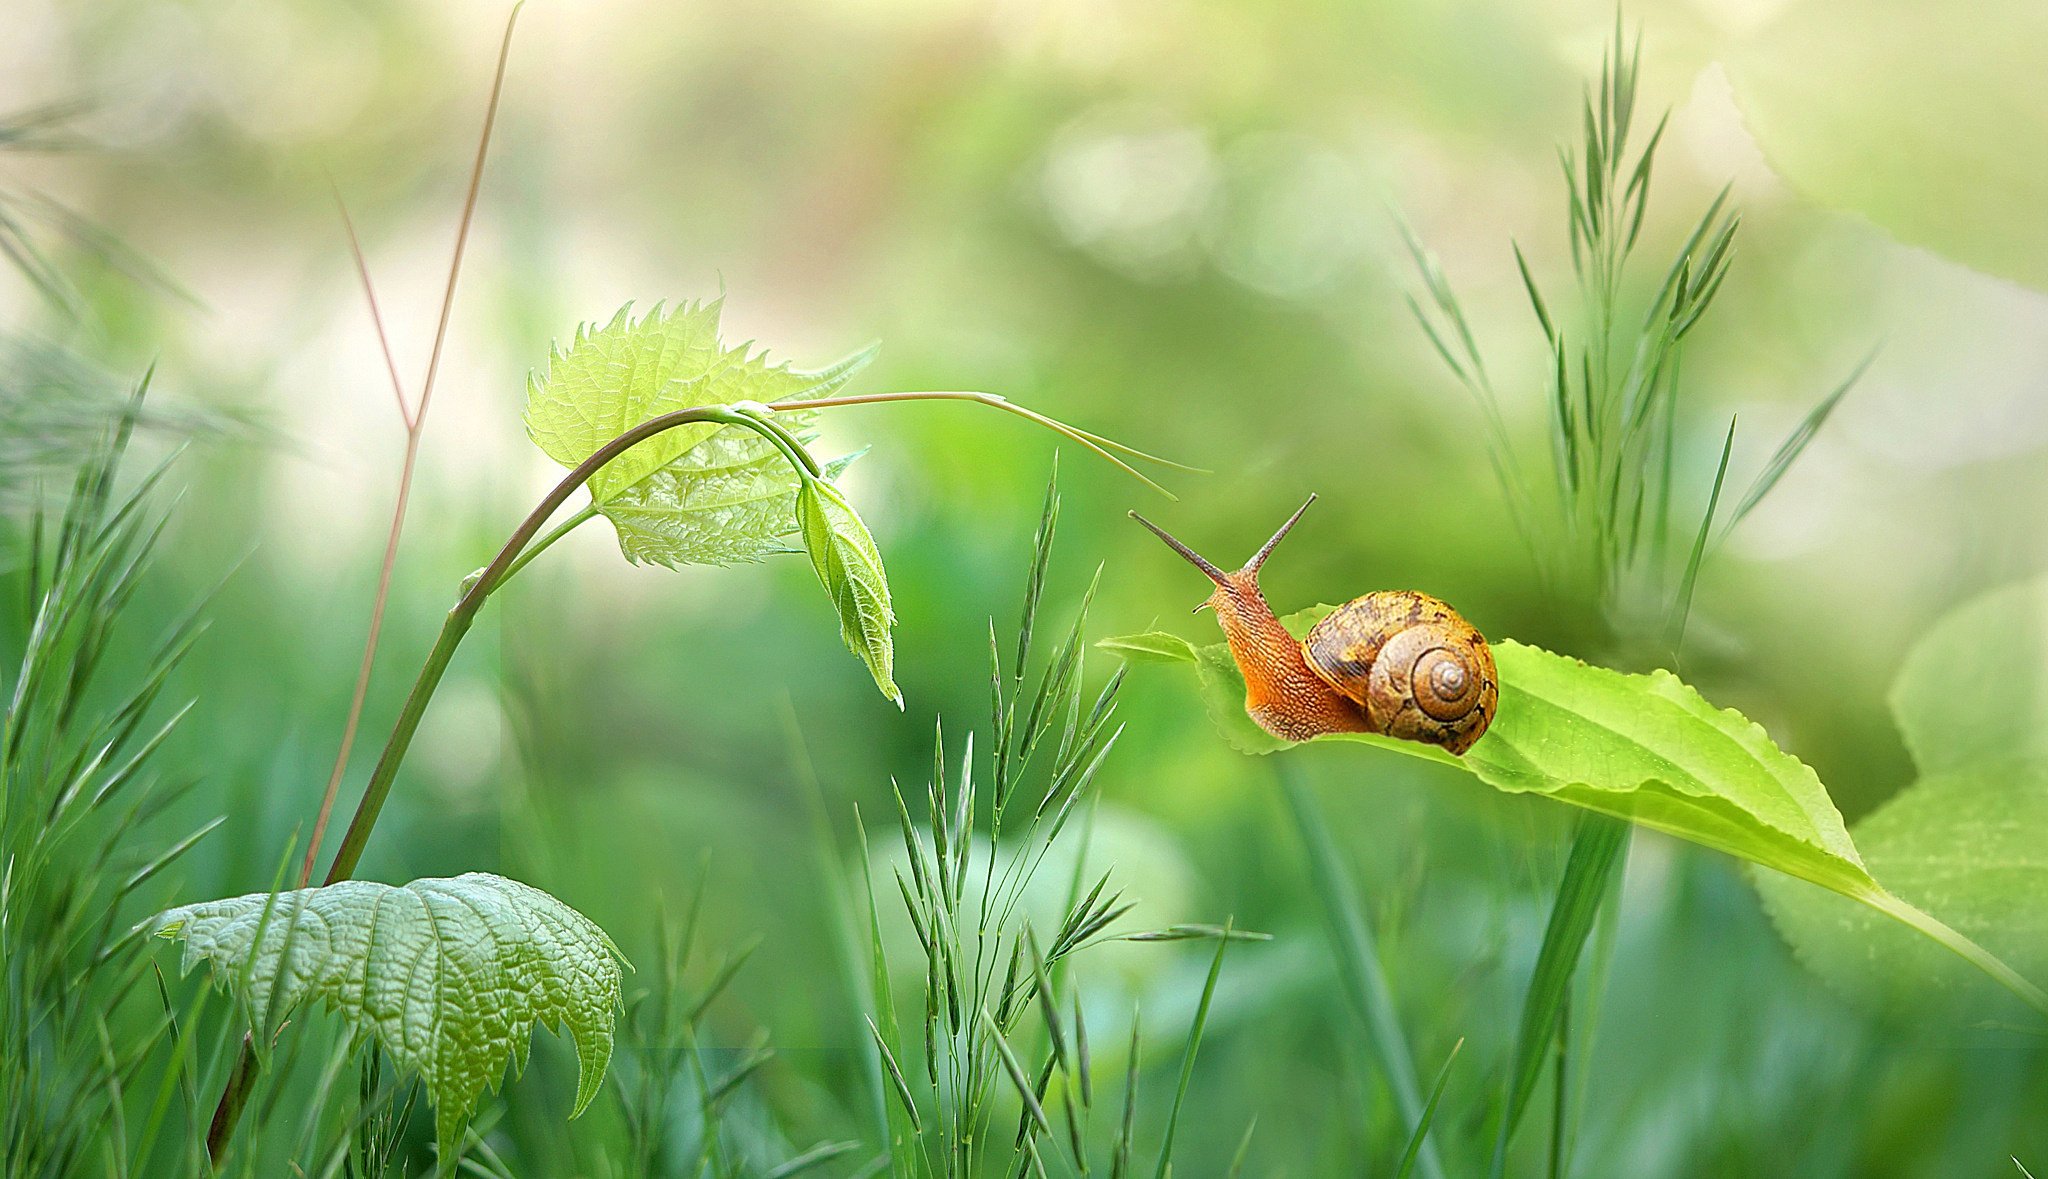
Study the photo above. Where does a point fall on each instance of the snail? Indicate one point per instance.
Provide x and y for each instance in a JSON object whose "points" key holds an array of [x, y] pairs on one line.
{"points": [[1395, 662]]}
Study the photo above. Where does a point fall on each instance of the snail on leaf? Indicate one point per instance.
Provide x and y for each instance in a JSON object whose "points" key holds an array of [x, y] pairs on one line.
{"points": [[1396, 662]]}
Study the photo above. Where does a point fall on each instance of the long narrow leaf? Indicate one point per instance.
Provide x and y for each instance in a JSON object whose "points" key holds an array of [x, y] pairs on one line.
{"points": [[1596, 849], [1357, 958]]}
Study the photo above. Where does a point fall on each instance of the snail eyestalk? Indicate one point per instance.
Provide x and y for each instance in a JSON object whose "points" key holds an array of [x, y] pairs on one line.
{"points": [[1266, 550], [1194, 558]]}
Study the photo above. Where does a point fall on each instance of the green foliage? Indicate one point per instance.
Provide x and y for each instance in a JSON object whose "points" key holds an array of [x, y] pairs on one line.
{"points": [[81, 800], [1356, 951], [668, 1056], [1646, 748], [448, 975], [1964, 841], [698, 494], [1410, 1156], [996, 993], [1974, 687], [850, 568]]}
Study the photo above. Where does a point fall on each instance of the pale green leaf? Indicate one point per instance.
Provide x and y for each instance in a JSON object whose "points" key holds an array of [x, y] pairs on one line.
{"points": [[1151, 647], [449, 975], [697, 494], [1967, 845], [1928, 119], [1975, 685], [850, 567], [1969, 841]]}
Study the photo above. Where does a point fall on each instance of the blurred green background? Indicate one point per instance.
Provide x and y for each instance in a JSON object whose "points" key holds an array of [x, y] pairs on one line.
{"points": [[1169, 221]]}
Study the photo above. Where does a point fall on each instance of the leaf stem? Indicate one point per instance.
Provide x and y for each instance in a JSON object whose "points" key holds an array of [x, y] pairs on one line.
{"points": [[1107, 448], [1976, 955]]}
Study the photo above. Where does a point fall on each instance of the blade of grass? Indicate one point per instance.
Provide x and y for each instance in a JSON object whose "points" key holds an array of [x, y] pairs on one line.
{"points": [[1681, 605], [1795, 443], [1357, 957], [1187, 1060], [1421, 1134], [1596, 849]]}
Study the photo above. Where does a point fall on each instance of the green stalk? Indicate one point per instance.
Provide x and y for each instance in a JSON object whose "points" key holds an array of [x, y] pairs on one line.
{"points": [[480, 588], [554, 534]]}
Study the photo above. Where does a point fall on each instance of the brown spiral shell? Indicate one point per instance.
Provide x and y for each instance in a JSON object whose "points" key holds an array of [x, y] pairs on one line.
{"points": [[1416, 668]]}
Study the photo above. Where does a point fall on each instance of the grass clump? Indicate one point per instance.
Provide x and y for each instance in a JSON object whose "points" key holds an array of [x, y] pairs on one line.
{"points": [[1001, 1022]]}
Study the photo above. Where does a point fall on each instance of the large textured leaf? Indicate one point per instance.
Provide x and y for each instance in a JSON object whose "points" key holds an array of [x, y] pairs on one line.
{"points": [[699, 494], [1929, 119], [850, 567], [1646, 748], [450, 975], [1969, 841]]}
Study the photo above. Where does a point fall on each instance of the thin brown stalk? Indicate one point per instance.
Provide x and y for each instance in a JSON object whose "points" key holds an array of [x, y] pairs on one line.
{"points": [[415, 420]]}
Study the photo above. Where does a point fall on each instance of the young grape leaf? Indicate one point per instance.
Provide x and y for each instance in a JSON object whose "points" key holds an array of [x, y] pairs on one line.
{"points": [[697, 494], [706, 515], [450, 975], [849, 565], [1646, 748]]}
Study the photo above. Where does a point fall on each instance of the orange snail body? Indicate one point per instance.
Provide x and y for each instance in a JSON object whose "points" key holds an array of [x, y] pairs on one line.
{"points": [[1396, 662]]}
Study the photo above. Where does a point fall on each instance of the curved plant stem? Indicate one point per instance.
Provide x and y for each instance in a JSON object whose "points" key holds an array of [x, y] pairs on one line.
{"points": [[522, 546], [493, 575], [463, 615], [556, 533]]}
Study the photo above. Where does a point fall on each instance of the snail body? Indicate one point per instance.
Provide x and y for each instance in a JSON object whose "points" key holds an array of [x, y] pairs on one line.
{"points": [[1396, 662]]}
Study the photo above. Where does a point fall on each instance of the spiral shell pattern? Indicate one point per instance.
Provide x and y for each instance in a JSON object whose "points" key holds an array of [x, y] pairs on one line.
{"points": [[1412, 664]]}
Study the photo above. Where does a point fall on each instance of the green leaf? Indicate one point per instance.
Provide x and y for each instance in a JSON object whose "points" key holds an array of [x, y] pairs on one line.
{"points": [[1964, 844], [1356, 951], [850, 567], [1646, 748], [692, 515], [697, 494], [1924, 118], [450, 975], [1596, 854], [1969, 841], [1975, 686], [1421, 1134], [1151, 647]]}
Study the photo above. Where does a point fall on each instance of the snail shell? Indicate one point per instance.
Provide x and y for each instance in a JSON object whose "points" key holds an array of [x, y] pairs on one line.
{"points": [[1416, 668]]}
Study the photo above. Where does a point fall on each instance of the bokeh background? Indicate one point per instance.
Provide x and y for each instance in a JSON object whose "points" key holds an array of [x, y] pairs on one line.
{"points": [[1174, 222]]}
